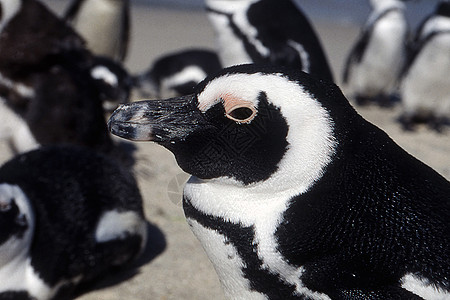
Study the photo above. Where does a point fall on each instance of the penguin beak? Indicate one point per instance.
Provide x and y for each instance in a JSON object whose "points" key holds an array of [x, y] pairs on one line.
{"points": [[162, 121]]}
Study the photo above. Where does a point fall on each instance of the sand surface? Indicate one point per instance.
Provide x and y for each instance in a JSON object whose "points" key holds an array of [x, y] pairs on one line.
{"points": [[174, 265]]}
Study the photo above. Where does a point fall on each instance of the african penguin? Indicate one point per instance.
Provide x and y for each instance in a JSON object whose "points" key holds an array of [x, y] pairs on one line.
{"points": [[376, 59], [266, 32], [177, 73], [104, 24], [55, 86], [425, 85], [68, 216], [112, 81], [294, 195]]}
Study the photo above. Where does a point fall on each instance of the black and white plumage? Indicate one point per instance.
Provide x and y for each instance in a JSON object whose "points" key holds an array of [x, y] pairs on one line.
{"points": [[178, 73], [376, 60], [294, 195], [51, 82], [267, 32], [112, 81], [425, 85], [104, 24], [68, 215]]}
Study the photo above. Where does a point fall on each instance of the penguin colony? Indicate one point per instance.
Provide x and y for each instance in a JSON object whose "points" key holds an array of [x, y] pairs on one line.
{"points": [[425, 86], [69, 215], [53, 55], [293, 195], [376, 60], [386, 63]]}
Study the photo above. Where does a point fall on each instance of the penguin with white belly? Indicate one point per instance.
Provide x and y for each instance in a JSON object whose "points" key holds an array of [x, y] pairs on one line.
{"points": [[375, 61], [293, 195], [425, 84], [267, 32], [104, 24], [68, 216]]}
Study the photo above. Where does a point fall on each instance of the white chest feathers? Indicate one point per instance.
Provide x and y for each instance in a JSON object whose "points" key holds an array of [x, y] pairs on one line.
{"points": [[263, 217]]}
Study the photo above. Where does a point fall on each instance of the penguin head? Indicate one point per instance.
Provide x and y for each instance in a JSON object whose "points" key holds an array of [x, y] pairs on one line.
{"points": [[247, 125], [16, 221], [8, 9], [112, 81]]}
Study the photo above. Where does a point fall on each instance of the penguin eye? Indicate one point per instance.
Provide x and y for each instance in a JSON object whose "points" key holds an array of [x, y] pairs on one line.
{"points": [[241, 114], [239, 110]]}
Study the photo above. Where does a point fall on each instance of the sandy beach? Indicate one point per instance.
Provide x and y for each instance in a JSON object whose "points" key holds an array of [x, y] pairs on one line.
{"points": [[174, 265]]}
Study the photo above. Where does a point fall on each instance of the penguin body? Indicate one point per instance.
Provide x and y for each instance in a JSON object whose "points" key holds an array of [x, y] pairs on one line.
{"points": [[425, 86], [68, 216], [376, 60], [54, 85], [104, 24], [294, 195], [178, 73], [267, 32]]}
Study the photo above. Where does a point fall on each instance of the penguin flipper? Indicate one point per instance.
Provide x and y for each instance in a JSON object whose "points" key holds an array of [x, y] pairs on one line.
{"points": [[356, 53]]}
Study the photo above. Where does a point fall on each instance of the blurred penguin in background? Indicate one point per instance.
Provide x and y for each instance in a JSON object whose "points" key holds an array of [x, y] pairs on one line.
{"points": [[425, 85], [104, 24], [177, 73], [68, 216], [376, 60], [274, 32], [54, 90]]}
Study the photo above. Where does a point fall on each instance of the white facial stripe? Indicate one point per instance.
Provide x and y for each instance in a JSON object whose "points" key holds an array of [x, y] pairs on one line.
{"points": [[304, 56], [423, 288], [190, 73], [310, 138], [9, 9], [234, 86], [105, 74], [436, 24]]}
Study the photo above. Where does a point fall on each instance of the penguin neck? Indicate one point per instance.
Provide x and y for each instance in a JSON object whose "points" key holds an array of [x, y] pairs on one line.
{"points": [[244, 204]]}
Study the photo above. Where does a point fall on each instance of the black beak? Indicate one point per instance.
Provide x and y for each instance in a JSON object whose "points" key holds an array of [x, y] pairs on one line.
{"points": [[162, 121]]}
